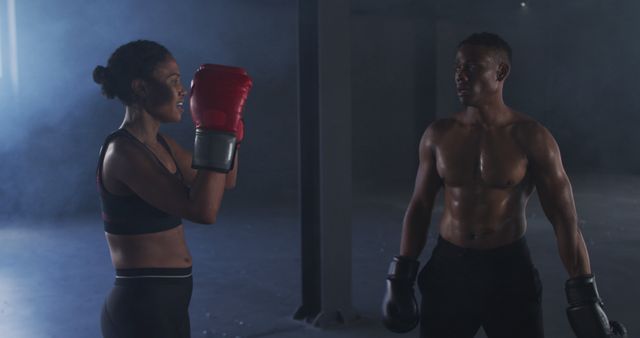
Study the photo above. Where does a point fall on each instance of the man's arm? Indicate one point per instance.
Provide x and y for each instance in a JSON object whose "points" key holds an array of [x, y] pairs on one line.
{"points": [[418, 214], [556, 198], [399, 306], [585, 312]]}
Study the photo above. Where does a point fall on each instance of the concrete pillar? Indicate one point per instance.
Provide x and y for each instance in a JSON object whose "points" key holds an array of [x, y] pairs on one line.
{"points": [[325, 162]]}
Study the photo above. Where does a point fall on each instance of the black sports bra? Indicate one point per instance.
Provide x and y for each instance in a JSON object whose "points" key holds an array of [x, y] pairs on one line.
{"points": [[130, 214]]}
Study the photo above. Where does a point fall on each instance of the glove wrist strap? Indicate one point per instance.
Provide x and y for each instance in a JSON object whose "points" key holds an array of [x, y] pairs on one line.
{"points": [[214, 150], [581, 290], [403, 268]]}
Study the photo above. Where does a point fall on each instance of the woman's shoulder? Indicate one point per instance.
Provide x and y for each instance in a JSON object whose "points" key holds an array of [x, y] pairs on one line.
{"points": [[124, 149]]}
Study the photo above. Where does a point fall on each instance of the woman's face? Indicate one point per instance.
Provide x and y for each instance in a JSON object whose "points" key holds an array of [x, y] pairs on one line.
{"points": [[166, 94]]}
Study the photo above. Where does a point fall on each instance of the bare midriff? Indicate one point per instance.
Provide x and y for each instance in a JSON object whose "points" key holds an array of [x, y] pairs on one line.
{"points": [[483, 220], [165, 249]]}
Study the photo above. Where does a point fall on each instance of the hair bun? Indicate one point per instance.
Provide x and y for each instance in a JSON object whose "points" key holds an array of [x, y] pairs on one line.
{"points": [[100, 74]]}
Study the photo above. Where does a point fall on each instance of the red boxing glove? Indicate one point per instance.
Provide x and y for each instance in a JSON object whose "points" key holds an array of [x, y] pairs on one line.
{"points": [[218, 94], [217, 97], [240, 131]]}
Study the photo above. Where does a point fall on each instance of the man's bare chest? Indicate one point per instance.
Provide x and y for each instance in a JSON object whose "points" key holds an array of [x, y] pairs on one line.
{"points": [[477, 157]]}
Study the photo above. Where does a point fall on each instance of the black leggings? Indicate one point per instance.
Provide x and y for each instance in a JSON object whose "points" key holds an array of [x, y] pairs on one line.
{"points": [[465, 289], [148, 303]]}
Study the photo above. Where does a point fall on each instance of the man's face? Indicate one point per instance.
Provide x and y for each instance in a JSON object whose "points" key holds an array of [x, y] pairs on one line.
{"points": [[476, 75]]}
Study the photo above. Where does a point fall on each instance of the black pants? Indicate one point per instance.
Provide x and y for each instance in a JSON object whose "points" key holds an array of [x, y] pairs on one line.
{"points": [[465, 289], [148, 303]]}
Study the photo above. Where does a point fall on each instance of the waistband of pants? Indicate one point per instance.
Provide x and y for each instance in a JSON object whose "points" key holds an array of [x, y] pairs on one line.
{"points": [[446, 248], [143, 275]]}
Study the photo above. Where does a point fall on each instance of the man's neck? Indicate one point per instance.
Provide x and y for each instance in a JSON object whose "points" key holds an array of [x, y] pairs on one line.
{"points": [[490, 114]]}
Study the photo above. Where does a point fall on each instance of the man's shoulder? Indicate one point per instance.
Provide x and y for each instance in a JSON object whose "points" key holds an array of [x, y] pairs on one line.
{"points": [[527, 128], [532, 135], [437, 128], [441, 125]]}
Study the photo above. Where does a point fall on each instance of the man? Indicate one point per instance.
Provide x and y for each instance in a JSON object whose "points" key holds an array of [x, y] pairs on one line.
{"points": [[488, 159]]}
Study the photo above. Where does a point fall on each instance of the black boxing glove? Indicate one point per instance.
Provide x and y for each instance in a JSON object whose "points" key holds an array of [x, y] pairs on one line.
{"points": [[586, 313], [399, 307]]}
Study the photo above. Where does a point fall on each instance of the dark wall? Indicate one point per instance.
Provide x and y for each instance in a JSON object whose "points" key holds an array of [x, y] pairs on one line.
{"points": [[393, 68], [389, 110], [574, 69], [575, 65]]}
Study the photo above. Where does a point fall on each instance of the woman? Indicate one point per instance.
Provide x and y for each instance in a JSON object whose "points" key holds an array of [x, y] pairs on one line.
{"points": [[147, 184]]}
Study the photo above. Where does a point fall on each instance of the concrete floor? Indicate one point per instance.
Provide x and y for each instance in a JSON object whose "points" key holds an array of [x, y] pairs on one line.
{"points": [[55, 274]]}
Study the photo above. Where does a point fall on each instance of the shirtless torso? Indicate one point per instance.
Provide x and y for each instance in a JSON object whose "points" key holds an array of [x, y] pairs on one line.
{"points": [[484, 172], [488, 159]]}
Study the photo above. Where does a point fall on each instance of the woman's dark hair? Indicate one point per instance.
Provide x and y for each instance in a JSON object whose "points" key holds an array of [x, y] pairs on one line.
{"points": [[134, 60]]}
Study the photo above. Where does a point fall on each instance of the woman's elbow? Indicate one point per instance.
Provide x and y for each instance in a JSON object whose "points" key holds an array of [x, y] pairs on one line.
{"points": [[204, 220], [205, 216], [210, 217]]}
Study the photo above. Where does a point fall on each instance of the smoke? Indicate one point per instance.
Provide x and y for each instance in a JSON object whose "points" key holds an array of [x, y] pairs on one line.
{"points": [[578, 79], [51, 131]]}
